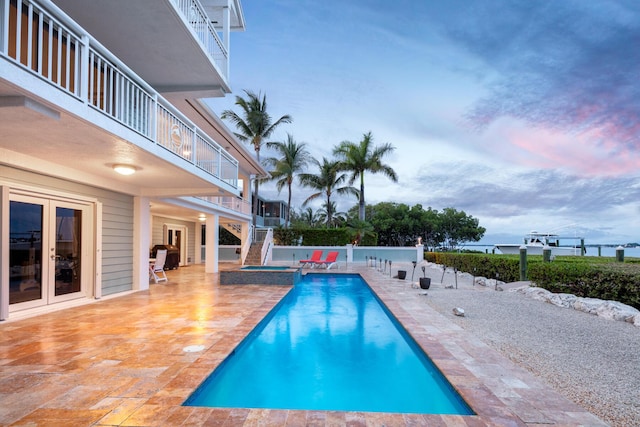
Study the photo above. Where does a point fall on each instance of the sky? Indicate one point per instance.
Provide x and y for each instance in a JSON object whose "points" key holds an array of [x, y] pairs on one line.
{"points": [[523, 114]]}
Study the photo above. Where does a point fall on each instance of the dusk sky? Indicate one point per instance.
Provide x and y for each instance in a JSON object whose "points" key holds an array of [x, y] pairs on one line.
{"points": [[524, 114]]}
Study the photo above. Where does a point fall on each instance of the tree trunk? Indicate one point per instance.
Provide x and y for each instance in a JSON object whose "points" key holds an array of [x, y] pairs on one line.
{"points": [[288, 208], [361, 205]]}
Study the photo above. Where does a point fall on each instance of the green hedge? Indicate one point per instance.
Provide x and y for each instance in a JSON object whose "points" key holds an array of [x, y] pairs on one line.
{"points": [[606, 281], [319, 237], [592, 277]]}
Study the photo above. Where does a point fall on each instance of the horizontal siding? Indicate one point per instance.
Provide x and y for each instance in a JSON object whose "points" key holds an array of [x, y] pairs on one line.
{"points": [[157, 235], [117, 243]]}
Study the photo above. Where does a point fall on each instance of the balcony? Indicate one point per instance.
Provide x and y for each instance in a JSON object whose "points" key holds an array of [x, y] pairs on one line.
{"points": [[83, 86], [158, 38]]}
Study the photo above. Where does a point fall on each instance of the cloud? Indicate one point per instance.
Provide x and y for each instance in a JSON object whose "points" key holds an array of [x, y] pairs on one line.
{"points": [[487, 191], [569, 66]]}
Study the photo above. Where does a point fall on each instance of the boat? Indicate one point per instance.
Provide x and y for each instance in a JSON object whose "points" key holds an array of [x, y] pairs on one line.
{"points": [[536, 242]]}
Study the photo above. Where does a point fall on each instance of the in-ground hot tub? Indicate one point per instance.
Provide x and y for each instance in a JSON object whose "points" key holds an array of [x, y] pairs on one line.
{"points": [[261, 275]]}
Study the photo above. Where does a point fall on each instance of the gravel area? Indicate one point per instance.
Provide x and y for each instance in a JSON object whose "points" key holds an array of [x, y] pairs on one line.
{"points": [[593, 361]]}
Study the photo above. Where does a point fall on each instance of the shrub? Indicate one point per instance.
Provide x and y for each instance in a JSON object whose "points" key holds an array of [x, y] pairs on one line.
{"points": [[591, 277]]}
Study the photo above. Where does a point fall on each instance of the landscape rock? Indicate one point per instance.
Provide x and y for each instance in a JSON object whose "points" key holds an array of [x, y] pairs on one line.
{"points": [[458, 311], [614, 310], [483, 281], [610, 310], [587, 305], [562, 300]]}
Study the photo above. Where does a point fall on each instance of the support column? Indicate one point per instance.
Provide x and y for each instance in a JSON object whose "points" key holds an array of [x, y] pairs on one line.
{"points": [[141, 242], [419, 252], [244, 237], [4, 252], [211, 249], [198, 243]]}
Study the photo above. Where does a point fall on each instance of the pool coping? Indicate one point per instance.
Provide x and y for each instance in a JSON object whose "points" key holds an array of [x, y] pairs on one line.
{"points": [[124, 364]]}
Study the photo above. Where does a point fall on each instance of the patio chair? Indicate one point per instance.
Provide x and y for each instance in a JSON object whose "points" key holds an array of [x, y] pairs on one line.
{"points": [[315, 257], [329, 261], [156, 267]]}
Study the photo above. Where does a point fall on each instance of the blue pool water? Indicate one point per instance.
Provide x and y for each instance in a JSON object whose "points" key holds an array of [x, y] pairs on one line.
{"points": [[330, 345]]}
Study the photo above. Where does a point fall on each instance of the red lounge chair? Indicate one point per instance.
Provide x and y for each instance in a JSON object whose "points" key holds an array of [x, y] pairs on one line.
{"points": [[315, 257], [329, 261]]}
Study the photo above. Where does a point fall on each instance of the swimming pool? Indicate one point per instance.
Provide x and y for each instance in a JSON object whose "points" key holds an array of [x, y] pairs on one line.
{"points": [[266, 267], [330, 345]]}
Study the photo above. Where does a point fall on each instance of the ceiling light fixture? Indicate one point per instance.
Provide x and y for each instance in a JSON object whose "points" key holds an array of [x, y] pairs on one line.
{"points": [[124, 169]]}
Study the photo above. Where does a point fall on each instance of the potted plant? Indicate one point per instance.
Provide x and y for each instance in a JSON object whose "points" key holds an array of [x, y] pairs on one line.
{"points": [[425, 282]]}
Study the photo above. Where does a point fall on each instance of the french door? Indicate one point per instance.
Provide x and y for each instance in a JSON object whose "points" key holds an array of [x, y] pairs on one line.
{"points": [[50, 250]]}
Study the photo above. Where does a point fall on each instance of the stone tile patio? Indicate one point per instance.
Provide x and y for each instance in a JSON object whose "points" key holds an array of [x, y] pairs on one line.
{"points": [[121, 362]]}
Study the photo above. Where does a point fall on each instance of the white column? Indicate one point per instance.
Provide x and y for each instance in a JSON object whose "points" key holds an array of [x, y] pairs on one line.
{"points": [[349, 253], [419, 252], [198, 243], [4, 252], [141, 242], [211, 250], [244, 236]]}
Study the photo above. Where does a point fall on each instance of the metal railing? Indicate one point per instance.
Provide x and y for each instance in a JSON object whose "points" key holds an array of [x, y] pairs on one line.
{"points": [[48, 44]]}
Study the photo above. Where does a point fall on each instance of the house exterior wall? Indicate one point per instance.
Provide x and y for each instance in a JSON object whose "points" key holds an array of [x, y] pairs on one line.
{"points": [[157, 234], [117, 224]]}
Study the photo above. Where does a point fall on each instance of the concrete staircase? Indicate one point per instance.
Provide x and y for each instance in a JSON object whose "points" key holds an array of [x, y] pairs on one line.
{"points": [[254, 255]]}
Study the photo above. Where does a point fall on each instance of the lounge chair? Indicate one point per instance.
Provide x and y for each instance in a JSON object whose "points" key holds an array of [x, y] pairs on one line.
{"points": [[315, 257], [156, 267], [329, 261]]}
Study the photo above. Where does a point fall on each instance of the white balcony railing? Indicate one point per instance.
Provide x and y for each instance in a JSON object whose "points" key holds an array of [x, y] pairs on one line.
{"points": [[233, 203], [48, 44], [206, 32]]}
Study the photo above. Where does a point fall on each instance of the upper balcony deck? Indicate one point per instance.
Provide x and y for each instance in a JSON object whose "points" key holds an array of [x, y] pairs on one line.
{"points": [[174, 45], [61, 87]]}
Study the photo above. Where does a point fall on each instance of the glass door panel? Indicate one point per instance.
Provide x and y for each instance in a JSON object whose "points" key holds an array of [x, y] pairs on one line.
{"points": [[25, 252], [68, 251]]}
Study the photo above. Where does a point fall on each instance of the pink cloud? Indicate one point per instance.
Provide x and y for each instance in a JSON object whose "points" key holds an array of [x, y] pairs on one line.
{"points": [[589, 153]]}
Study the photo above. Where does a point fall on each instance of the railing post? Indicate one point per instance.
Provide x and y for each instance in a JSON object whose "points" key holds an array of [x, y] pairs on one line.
{"points": [[84, 70], [4, 19], [194, 143], [153, 132], [620, 254], [546, 254]]}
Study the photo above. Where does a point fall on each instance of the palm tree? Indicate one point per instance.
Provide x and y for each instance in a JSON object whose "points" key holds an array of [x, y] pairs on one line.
{"points": [[254, 127], [363, 157], [309, 217], [326, 181], [360, 229], [329, 214], [293, 159]]}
